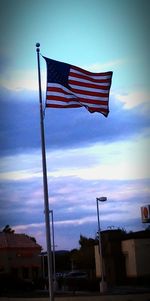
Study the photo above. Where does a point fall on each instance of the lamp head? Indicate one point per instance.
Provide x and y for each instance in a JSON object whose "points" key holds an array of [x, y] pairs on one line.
{"points": [[102, 199]]}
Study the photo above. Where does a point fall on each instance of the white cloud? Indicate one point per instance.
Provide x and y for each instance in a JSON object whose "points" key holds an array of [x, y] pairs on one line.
{"points": [[19, 175], [75, 222], [100, 67], [114, 161], [28, 79], [135, 99], [21, 228], [20, 167], [20, 80]]}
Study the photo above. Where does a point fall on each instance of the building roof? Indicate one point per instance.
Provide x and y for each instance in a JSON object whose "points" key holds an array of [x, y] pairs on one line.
{"points": [[119, 235], [138, 235], [13, 240]]}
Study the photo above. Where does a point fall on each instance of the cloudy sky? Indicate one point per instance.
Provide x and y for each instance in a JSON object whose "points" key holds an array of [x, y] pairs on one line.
{"points": [[88, 155]]}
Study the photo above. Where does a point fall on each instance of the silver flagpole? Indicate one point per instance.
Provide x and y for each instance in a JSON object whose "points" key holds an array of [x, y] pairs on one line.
{"points": [[45, 186]]}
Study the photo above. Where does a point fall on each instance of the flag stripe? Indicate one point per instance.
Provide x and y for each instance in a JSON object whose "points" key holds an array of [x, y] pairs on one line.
{"points": [[59, 88], [92, 78], [60, 101], [62, 91], [78, 69], [97, 78], [66, 104], [59, 97], [86, 89], [85, 79], [63, 105], [75, 96], [87, 84]]}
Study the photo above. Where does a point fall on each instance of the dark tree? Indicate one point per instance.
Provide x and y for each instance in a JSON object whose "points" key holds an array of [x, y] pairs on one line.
{"points": [[83, 258], [8, 229]]}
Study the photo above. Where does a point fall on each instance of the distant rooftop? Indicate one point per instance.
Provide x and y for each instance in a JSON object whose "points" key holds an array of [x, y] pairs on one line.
{"points": [[118, 234], [14, 240], [138, 234]]}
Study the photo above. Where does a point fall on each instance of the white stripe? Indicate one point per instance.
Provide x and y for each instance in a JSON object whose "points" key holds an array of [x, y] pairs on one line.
{"points": [[62, 103], [56, 85], [89, 89], [91, 97], [88, 81], [50, 93], [96, 76]]}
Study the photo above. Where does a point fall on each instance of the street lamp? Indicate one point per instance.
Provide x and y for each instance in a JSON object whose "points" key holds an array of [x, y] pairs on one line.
{"points": [[103, 285]]}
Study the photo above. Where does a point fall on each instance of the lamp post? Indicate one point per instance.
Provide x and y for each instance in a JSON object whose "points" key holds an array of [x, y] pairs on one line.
{"points": [[103, 285]]}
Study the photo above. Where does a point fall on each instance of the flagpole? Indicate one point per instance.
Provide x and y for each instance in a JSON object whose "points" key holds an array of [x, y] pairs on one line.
{"points": [[45, 185]]}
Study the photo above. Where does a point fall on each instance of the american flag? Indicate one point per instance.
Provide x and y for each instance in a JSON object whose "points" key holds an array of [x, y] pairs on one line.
{"points": [[69, 86]]}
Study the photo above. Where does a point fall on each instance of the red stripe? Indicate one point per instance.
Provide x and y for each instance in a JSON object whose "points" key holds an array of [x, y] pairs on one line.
{"points": [[88, 101], [108, 80], [93, 101], [61, 98], [100, 110], [89, 93], [61, 106], [91, 73], [74, 82], [59, 90]]}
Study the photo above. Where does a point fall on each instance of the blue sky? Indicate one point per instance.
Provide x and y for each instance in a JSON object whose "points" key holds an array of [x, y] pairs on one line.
{"points": [[88, 155]]}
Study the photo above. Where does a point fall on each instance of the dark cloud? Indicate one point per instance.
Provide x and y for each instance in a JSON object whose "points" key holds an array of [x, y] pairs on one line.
{"points": [[20, 124]]}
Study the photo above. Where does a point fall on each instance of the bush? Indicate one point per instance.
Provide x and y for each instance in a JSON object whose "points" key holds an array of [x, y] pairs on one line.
{"points": [[9, 283]]}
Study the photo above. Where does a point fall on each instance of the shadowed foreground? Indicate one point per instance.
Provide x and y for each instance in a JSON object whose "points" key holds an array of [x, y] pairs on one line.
{"points": [[128, 297]]}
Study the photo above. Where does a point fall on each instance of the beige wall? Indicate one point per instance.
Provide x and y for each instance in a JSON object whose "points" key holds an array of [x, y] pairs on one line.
{"points": [[128, 249], [137, 254], [142, 247], [137, 258], [97, 262]]}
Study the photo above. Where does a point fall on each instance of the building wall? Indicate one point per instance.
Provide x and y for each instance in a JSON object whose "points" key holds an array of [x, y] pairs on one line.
{"points": [[128, 249], [113, 266], [142, 249], [127, 260], [97, 262], [137, 254], [21, 262]]}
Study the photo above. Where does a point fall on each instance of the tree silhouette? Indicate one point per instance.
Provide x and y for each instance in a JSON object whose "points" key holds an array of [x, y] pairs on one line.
{"points": [[84, 257], [8, 229]]}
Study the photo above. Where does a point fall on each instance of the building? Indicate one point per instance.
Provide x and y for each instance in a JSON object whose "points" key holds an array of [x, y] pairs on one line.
{"points": [[112, 255], [126, 257], [136, 251], [19, 255]]}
